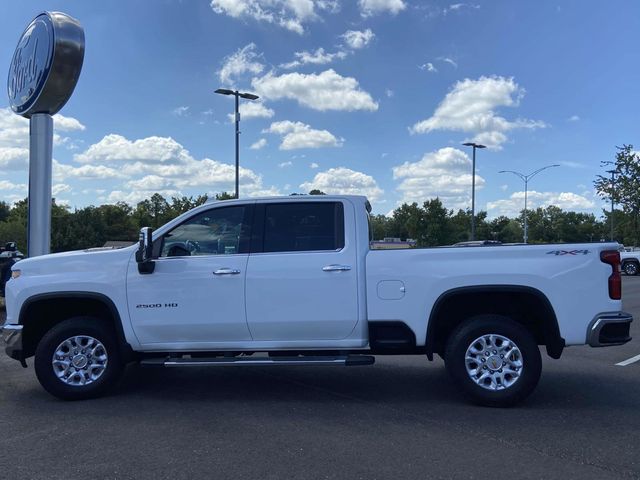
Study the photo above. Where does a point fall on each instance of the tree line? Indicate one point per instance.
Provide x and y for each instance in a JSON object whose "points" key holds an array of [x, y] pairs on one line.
{"points": [[430, 224]]}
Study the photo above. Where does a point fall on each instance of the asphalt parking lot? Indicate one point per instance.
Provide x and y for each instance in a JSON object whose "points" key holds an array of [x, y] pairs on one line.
{"points": [[398, 419]]}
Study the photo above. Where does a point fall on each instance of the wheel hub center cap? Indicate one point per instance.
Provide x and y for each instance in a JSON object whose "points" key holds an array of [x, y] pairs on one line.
{"points": [[494, 362], [80, 361]]}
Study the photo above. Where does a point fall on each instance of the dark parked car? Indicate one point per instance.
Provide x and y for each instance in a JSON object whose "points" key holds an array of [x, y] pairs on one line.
{"points": [[9, 254]]}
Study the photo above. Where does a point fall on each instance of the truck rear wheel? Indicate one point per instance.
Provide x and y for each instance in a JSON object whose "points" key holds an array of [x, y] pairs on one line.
{"points": [[494, 360], [79, 358]]}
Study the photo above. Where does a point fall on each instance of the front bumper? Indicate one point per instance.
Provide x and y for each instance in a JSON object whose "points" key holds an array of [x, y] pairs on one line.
{"points": [[608, 329], [12, 336]]}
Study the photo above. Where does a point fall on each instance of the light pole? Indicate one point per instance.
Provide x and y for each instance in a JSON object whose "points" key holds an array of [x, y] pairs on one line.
{"points": [[613, 185], [473, 188], [525, 179], [237, 95]]}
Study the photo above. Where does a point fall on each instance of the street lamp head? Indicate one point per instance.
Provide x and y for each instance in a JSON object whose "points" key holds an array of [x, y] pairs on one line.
{"points": [[224, 91], [474, 145], [249, 96]]}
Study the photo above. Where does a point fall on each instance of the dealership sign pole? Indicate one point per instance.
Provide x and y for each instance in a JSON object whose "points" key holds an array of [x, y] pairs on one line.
{"points": [[43, 74]]}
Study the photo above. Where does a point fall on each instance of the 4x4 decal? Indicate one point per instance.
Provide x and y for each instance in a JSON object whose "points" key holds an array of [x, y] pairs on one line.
{"points": [[568, 252]]}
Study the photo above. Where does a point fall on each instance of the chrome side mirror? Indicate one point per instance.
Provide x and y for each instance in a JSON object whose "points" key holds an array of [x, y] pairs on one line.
{"points": [[144, 255]]}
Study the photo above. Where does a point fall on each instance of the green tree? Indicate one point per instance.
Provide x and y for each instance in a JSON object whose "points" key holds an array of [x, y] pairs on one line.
{"points": [[180, 205], [153, 212], [225, 196], [625, 189], [5, 209], [407, 221], [381, 227], [435, 228], [505, 229]]}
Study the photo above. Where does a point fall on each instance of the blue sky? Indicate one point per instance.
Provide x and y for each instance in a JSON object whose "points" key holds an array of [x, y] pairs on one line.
{"points": [[362, 96]]}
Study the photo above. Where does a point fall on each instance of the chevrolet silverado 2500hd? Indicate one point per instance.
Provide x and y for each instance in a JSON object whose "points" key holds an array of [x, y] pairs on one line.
{"points": [[292, 281]]}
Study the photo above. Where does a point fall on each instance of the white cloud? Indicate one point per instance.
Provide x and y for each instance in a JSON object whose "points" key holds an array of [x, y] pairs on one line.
{"points": [[429, 67], [244, 60], [389, 93], [59, 188], [135, 196], [313, 165], [319, 57], [259, 144], [7, 185], [572, 164], [372, 7], [265, 192], [62, 171], [249, 110], [14, 129], [448, 60], [470, 107], [458, 7], [573, 118], [13, 158], [344, 181], [513, 206], [299, 135], [67, 124], [156, 164], [285, 164], [289, 14], [325, 91], [357, 39], [445, 173], [116, 148], [181, 111]]}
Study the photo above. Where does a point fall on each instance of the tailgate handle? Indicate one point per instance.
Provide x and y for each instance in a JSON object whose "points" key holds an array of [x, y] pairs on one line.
{"points": [[336, 268], [226, 271]]}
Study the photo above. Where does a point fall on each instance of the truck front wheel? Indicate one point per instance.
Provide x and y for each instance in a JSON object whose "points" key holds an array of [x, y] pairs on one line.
{"points": [[630, 268], [494, 360], [79, 358]]}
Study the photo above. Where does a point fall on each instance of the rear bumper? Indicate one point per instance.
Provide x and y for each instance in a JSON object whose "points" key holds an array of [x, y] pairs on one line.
{"points": [[12, 336], [608, 329]]}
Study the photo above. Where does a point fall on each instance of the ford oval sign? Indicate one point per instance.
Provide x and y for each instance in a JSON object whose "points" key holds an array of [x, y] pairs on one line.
{"points": [[46, 64]]}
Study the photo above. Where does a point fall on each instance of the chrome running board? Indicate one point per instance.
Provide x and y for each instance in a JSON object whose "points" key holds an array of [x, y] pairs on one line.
{"points": [[322, 360]]}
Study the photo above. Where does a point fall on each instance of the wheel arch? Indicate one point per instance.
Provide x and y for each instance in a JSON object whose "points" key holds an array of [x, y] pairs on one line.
{"points": [[526, 305], [59, 306]]}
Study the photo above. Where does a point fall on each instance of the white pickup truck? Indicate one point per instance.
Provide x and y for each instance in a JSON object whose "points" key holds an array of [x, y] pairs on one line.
{"points": [[292, 281]]}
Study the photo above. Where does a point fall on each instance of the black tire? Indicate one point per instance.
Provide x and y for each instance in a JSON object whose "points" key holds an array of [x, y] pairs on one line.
{"points": [[462, 338], [630, 268], [72, 327]]}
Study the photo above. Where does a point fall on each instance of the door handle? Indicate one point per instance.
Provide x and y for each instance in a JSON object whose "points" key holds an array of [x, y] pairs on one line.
{"points": [[226, 271], [336, 268]]}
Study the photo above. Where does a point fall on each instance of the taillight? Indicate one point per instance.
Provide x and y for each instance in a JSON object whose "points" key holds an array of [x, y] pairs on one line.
{"points": [[612, 257]]}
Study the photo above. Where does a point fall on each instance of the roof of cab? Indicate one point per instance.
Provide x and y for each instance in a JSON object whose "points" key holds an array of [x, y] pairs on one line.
{"points": [[294, 198]]}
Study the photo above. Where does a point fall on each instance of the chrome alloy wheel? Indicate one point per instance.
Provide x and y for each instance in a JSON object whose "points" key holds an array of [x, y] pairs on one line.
{"points": [[494, 362], [79, 360]]}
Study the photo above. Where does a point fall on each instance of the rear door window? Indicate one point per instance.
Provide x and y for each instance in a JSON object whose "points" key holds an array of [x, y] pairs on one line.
{"points": [[303, 227]]}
